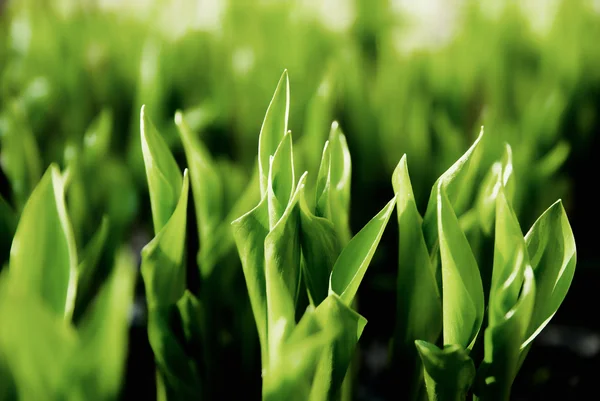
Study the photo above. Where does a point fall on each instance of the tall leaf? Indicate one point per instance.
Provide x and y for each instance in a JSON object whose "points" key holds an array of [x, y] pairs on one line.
{"points": [[43, 258], [459, 183], [162, 173], [463, 303], [274, 127], [100, 363], [512, 297], [340, 181], [162, 258], [250, 231], [419, 307], [205, 181]]}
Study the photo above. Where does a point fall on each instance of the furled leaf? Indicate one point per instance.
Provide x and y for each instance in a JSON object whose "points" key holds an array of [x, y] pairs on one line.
{"points": [[282, 272], [419, 307], [510, 259], [340, 180], [553, 256], [100, 363], [449, 372], [281, 180], [500, 175], [503, 339], [206, 184], [250, 231], [512, 297], [351, 265], [459, 183], [273, 129], [43, 258], [162, 258], [162, 173], [323, 188], [463, 303]]}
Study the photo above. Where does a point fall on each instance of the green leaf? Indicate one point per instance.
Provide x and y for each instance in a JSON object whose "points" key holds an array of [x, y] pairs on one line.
{"points": [[419, 307], [162, 173], [162, 258], [294, 375], [88, 267], [318, 118], [43, 258], [178, 375], [553, 256], [463, 303], [96, 140], [512, 298], [250, 231], [351, 265], [281, 179], [8, 225], [500, 175], [510, 259], [21, 160], [274, 127], [193, 321], [340, 180], [192, 314], [222, 239], [323, 188], [449, 372], [459, 183], [206, 184], [282, 271], [503, 339], [25, 354], [337, 357], [77, 195], [320, 249], [104, 333], [552, 161]]}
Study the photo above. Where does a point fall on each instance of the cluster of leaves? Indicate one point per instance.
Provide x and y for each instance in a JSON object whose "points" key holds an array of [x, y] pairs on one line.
{"points": [[302, 269], [73, 100], [289, 248], [186, 324], [444, 280], [60, 338], [298, 262]]}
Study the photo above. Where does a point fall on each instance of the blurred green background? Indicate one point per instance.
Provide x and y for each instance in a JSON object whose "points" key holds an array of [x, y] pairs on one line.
{"points": [[419, 78]]}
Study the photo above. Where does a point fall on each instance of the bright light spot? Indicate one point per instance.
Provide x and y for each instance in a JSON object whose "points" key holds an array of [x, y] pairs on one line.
{"points": [[243, 61]]}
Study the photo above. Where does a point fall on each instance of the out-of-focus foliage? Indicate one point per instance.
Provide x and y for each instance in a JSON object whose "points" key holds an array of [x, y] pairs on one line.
{"points": [[74, 75], [67, 64]]}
